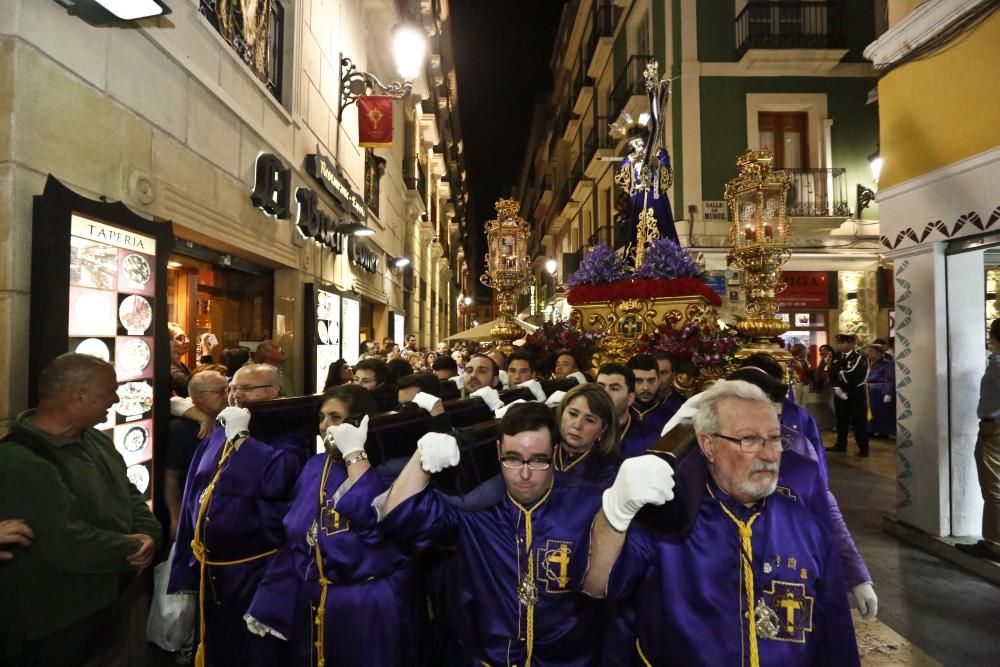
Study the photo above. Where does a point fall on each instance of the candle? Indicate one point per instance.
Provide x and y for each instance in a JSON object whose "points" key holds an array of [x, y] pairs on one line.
{"points": [[768, 232], [750, 233]]}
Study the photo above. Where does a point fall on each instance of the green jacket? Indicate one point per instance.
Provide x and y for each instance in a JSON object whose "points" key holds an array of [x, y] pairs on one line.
{"points": [[80, 515]]}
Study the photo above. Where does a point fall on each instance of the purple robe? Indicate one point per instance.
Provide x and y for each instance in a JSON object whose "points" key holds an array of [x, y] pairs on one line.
{"points": [[689, 600], [633, 439], [492, 561], [243, 519], [648, 423], [588, 467], [809, 444], [655, 198], [373, 592], [882, 383]]}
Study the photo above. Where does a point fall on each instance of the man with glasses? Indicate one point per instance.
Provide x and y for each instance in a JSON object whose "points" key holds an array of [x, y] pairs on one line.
{"points": [[510, 594], [230, 525], [756, 572]]}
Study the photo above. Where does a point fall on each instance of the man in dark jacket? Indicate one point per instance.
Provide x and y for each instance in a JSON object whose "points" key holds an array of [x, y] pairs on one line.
{"points": [[848, 374], [91, 526]]}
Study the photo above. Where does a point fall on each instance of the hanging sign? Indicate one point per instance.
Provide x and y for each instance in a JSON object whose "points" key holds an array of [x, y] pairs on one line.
{"points": [[375, 121]]}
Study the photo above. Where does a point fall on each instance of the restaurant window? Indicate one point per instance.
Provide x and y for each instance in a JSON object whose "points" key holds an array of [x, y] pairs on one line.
{"points": [[258, 38], [236, 306]]}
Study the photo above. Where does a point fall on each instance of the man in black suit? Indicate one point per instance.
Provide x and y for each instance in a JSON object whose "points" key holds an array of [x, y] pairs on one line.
{"points": [[848, 373]]}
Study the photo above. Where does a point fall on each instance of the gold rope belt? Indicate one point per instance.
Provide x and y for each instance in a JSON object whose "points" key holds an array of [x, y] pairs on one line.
{"points": [[200, 552], [323, 581]]}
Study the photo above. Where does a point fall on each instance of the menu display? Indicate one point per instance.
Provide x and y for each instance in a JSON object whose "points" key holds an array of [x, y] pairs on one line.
{"points": [[111, 316], [327, 334], [351, 329]]}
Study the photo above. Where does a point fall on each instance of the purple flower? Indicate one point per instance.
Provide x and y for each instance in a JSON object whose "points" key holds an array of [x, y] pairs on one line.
{"points": [[601, 265], [666, 260]]}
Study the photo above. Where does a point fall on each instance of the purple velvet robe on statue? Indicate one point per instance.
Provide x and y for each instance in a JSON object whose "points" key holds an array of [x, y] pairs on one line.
{"points": [[493, 559], [372, 601], [243, 519], [882, 383], [689, 600]]}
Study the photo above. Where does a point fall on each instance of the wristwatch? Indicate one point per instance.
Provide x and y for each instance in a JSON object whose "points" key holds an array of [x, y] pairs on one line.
{"points": [[241, 435], [360, 456]]}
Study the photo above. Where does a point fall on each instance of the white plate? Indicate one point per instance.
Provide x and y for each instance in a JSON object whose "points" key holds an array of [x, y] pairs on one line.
{"points": [[139, 476], [95, 348], [134, 398], [135, 439], [135, 314], [133, 355], [137, 269]]}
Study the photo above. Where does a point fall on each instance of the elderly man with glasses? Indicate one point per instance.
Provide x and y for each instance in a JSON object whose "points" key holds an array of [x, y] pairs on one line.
{"points": [[756, 579], [511, 598], [235, 497]]}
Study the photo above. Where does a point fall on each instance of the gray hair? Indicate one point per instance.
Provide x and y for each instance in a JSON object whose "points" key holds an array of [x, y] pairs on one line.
{"points": [[68, 372], [268, 372], [200, 380], [707, 418]]}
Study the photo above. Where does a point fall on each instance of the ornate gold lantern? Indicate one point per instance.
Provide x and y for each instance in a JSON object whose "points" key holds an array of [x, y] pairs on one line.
{"points": [[758, 241], [508, 271]]}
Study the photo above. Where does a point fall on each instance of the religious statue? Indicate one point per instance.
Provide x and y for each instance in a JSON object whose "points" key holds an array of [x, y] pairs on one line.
{"points": [[645, 173]]}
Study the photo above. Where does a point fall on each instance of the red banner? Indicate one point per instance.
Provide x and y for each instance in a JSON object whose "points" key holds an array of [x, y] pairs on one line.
{"points": [[808, 289], [375, 121]]}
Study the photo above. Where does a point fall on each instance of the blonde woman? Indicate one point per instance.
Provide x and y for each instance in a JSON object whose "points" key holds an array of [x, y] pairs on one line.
{"points": [[588, 435]]}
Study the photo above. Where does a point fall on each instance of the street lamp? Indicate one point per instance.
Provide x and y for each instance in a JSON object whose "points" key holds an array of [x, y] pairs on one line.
{"points": [[409, 45], [866, 196], [99, 12], [355, 228], [399, 262], [551, 266]]}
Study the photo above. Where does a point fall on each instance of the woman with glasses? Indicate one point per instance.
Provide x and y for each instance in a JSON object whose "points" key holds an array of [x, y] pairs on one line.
{"points": [[180, 374], [588, 435], [338, 592]]}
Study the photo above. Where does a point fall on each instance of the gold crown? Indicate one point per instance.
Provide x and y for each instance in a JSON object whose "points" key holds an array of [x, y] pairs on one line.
{"points": [[507, 209]]}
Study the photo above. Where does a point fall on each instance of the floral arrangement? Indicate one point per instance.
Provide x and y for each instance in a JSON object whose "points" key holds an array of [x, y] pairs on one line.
{"points": [[600, 265], [553, 338], [696, 345], [665, 259]]}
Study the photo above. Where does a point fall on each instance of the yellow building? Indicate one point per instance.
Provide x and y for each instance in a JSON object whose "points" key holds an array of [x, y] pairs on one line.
{"points": [[939, 196]]}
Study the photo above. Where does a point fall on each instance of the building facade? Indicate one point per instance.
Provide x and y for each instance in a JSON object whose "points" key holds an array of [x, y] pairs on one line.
{"points": [[940, 200], [787, 76], [178, 117]]}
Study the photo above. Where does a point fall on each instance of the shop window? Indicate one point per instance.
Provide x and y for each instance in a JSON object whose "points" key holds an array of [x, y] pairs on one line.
{"points": [[237, 306], [258, 39]]}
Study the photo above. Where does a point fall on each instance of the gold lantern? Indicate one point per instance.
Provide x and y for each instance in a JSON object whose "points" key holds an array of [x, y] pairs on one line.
{"points": [[758, 242], [507, 268]]}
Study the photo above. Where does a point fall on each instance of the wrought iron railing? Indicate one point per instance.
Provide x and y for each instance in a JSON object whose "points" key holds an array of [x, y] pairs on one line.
{"points": [[604, 21], [597, 139], [818, 193], [791, 25], [630, 82]]}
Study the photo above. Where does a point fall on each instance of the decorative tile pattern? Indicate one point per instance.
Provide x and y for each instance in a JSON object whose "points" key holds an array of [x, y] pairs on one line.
{"points": [[904, 437], [939, 226]]}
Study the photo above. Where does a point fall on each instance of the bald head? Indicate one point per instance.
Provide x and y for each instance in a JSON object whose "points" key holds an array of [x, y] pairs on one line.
{"points": [[71, 372]]}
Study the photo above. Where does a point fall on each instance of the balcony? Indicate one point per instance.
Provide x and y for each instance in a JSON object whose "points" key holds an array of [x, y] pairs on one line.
{"points": [[579, 184], [604, 20], [629, 93], [797, 37], [597, 147], [545, 199], [583, 90], [818, 193]]}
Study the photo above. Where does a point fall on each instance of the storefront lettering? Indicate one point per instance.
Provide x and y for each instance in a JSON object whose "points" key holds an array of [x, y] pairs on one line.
{"points": [[271, 185], [316, 224], [361, 255], [97, 231], [320, 168]]}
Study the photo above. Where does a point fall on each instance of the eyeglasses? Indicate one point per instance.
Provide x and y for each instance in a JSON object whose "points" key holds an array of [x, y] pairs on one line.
{"points": [[754, 443], [247, 388], [516, 463]]}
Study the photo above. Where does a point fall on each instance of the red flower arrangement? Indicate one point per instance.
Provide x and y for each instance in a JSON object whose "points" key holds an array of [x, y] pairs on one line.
{"points": [[695, 345], [641, 289], [553, 338]]}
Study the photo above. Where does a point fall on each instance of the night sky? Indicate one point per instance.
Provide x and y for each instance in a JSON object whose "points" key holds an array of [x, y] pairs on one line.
{"points": [[502, 52]]}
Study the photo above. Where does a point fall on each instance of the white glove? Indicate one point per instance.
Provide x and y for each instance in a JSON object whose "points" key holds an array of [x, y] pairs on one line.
{"points": [[425, 400], [865, 600], [459, 381], [437, 452], [502, 410], [578, 376], [887, 399], [642, 480], [841, 394], [504, 380], [347, 437], [259, 629], [555, 399], [684, 415], [535, 387], [489, 396], [234, 420]]}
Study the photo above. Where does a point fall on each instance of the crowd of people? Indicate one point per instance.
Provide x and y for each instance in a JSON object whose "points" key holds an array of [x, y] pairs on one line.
{"points": [[588, 547]]}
